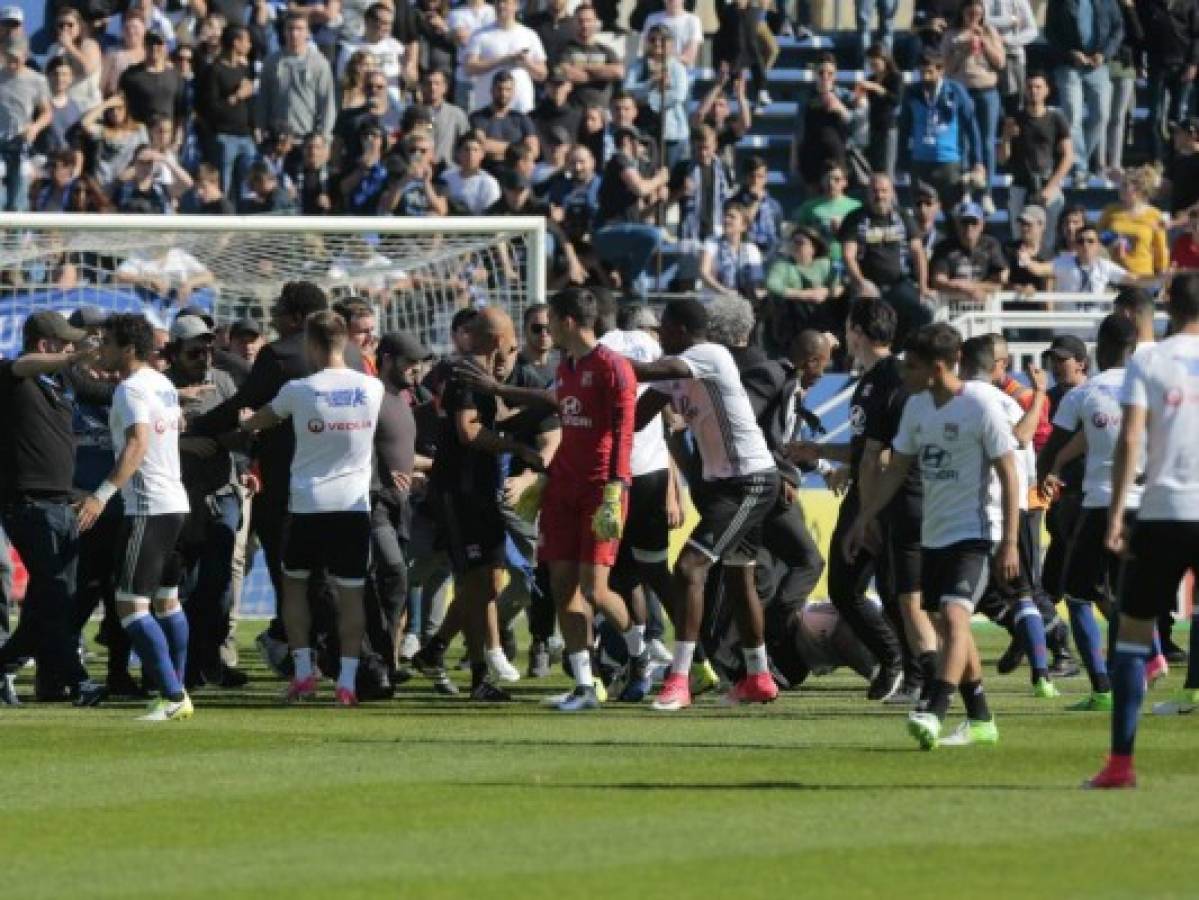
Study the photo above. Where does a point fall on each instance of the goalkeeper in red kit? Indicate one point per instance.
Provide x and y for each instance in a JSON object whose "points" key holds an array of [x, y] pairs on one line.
{"points": [[583, 504]]}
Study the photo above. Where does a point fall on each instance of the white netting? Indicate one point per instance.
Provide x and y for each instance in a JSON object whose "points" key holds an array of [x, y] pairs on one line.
{"points": [[417, 272]]}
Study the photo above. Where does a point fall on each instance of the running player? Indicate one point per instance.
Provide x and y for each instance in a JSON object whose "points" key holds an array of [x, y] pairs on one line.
{"points": [[1160, 400], [1090, 569], [739, 488], [583, 504], [334, 413], [968, 465], [145, 422]]}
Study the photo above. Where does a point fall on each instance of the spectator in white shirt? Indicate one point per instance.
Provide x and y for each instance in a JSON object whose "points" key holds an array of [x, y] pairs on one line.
{"points": [[506, 45], [398, 62], [469, 188], [465, 22], [686, 28], [1087, 270]]}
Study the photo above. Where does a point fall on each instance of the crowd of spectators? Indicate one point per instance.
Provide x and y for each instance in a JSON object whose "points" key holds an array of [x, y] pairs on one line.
{"points": [[344, 107]]}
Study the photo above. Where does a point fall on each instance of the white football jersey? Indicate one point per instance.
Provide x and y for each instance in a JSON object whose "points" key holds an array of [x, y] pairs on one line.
{"points": [[333, 414], [718, 412], [1095, 408], [147, 397], [650, 453], [955, 446], [1164, 379], [1026, 456]]}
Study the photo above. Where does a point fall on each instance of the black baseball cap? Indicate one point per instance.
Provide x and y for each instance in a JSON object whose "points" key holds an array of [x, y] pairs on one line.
{"points": [[1068, 346], [49, 323], [88, 317], [403, 345], [246, 325], [200, 313]]}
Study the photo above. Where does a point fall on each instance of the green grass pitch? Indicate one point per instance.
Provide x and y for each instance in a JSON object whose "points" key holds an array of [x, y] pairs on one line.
{"points": [[820, 795]]}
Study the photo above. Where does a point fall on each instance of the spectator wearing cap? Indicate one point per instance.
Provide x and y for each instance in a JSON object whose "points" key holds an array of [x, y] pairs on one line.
{"points": [[685, 27], [24, 113], [926, 210], [365, 175], [210, 476], [225, 104], [296, 91], [660, 85], [469, 188], [884, 256], [1184, 253], [153, 87], [827, 210], [556, 28], [1035, 145], [506, 44], [623, 239], [500, 123], [1171, 47], [799, 282], [939, 138], [38, 392], [763, 211], [969, 265], [412, 192], [551, 168], [556, 108], [245, 339], [449, 122], [1029, 269], [592, 67], [1181, 182], [12, 21], [1083, 35]]}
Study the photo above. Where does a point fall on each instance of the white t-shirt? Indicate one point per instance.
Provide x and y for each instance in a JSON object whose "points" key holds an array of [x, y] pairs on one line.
{"points": [[472, 20], [494, 42], [1164, 379], [1026, 456], [176, 265], [718, 412], [650, 453], [390, 54], [686, 28], [147, 397], [476, 192], [333, 414], [1095, 407], [955, 446]]}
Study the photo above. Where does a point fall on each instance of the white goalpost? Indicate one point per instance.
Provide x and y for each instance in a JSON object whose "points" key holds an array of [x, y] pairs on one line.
{"points": [[416, 272]]}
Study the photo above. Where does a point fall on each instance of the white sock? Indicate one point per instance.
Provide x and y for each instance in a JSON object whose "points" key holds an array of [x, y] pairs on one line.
{"points": [[640, 630], [755, 659], [302, 656], [580, 664], [683, 651], [348, 674], [635, 641]]}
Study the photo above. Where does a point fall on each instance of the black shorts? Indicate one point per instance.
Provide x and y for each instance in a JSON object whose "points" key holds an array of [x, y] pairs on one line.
{"points": [[150, 565], [1061, 520], [1091, 570], [901, 536], [338, 542], [473, 530], [958, 574], [1161, 554], [646, 532], [731, 512], [1028, 543]]}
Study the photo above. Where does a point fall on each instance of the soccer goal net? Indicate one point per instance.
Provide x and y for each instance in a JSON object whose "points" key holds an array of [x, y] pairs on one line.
{"points": [[416, 272]]}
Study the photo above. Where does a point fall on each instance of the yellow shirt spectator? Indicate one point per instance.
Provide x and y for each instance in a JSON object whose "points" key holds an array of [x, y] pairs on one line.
{"points": [[1145, 252]]}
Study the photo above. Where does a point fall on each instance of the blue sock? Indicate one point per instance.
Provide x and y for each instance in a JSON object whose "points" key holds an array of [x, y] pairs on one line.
{"points": [[174, 626], [1031, 629], [1192, 682], [1089, 642], [1128, 688], [1157, 644], [151, 645]]}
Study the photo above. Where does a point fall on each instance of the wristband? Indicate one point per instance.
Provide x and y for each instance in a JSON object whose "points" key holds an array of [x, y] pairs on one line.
{"points": [[104, 492]]}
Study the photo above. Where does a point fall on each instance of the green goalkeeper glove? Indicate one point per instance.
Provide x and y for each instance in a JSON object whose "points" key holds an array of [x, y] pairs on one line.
{"points": [[608, 521]]}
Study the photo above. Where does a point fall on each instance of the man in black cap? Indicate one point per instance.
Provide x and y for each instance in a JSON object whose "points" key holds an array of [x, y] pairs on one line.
{"points": [[153, 87], [399, 358], [37, 466], [558, 108]]}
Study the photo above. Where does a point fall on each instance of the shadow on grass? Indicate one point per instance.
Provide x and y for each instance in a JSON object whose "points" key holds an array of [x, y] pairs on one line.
{"points": [[460, 742], [774, 785]]}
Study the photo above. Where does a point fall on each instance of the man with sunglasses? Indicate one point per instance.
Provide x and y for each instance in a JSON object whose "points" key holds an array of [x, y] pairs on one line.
{"points": [[210, 478], [1087, 270]]}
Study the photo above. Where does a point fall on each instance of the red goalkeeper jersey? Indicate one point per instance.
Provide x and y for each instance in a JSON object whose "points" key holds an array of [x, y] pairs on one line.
{"points": [[597, 399]]}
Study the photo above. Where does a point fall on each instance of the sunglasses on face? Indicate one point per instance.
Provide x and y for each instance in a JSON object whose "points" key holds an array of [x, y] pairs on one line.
{"points": [[197, 353], [538, 328]]}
